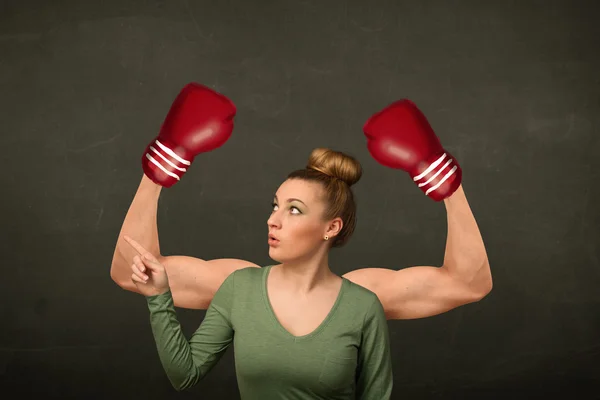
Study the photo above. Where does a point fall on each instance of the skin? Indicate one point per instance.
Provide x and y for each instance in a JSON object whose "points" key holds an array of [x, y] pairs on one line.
{"points": [[302, 279], [302, 251]]}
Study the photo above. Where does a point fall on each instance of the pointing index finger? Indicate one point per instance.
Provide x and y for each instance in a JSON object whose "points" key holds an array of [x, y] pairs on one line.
{"points": [[138, 247]]}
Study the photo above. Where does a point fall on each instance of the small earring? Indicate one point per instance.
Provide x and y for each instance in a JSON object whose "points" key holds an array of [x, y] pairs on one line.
{"points": [[326, 237]]}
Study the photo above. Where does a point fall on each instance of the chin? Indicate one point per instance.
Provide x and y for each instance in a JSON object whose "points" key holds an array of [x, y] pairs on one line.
{"points": [[282, 256], [276, 255]]}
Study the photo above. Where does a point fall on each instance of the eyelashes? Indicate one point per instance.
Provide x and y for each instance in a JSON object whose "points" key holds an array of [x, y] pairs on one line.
{"points": [[273, 205]]}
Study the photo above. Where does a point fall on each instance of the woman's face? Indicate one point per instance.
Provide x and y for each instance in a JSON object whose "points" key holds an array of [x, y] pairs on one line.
{"points": [[296, 225]]}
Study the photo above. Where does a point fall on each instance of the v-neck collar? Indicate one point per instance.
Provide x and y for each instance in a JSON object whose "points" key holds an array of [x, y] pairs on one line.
{"points": [[319, 328]]}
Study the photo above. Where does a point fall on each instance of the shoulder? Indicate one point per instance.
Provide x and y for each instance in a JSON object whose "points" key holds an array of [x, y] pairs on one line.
{"points": [[360, 292], [369, 313], [362, 299], [239, 282], [248, 272], [241, 277]]}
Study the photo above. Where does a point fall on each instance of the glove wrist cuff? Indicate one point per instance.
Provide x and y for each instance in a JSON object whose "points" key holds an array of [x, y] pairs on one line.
{"points": [[439, 176], [162, 164]]}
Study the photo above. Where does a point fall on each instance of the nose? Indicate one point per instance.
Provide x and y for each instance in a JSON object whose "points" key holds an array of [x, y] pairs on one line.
{"points": [[273, 220]]}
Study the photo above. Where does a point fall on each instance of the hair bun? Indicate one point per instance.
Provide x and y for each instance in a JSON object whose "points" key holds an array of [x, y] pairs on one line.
{"points": [[335, 164]]}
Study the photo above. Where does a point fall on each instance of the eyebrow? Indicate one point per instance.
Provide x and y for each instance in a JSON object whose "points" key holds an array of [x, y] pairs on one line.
{"points": [[290, 200]]}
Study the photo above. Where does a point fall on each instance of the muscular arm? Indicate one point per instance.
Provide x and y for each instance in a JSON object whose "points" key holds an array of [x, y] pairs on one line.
{"points": [[423, 291], [193, 281]]}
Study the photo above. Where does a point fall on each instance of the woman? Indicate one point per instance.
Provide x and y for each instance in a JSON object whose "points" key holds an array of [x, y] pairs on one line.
{"points": [[299, 331], [301, 289]]}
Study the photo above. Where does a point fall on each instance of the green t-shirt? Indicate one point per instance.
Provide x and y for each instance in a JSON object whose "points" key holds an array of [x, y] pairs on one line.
{"points": [[346, 357]]}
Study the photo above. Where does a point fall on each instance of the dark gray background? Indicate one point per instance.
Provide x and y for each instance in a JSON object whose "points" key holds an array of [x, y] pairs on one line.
{"points": [[511, 87]]}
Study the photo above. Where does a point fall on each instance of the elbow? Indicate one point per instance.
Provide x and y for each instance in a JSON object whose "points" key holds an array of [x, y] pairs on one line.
{"points": [[484, 282], [116, 274], [183, 384], [186, 383], [475, 294], [489, 284], [120, 271], [180, 388], [483, 291], [117, 267]]}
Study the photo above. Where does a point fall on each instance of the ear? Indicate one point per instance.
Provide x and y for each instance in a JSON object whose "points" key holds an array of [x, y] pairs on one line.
{"points": [[334, 227]]}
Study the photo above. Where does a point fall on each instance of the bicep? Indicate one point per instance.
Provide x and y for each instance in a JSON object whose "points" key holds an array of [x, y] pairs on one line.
{"points": [[195, 281], [414, 292]]}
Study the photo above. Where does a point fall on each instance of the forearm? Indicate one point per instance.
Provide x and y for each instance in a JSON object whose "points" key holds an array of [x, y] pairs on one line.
{"points": [[174, 350], [465, 255], [141, 224]]}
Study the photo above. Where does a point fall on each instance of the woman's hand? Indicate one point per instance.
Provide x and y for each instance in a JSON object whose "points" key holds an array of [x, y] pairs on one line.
{"points": [[149, 275]]}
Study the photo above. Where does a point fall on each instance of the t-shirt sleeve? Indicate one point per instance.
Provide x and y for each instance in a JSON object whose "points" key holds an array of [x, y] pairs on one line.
{"points": [[374, 375], [187, 362]]}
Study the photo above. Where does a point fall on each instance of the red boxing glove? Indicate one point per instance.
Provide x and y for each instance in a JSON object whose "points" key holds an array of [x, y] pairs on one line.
{"points": [[199, 120], [399, 136]]}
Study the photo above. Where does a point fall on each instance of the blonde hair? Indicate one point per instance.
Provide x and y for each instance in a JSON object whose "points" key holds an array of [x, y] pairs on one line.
{"points": [[336, 172]]}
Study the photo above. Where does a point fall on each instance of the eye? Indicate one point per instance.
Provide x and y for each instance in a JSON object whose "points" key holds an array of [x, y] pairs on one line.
{"points": [[294, 210]]}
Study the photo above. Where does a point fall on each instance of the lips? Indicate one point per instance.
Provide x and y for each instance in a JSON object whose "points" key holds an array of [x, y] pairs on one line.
{"points": [[273, 239]]}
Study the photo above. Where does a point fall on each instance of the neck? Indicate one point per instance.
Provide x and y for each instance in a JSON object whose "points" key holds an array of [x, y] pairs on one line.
{"points": [[304, 275]]}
